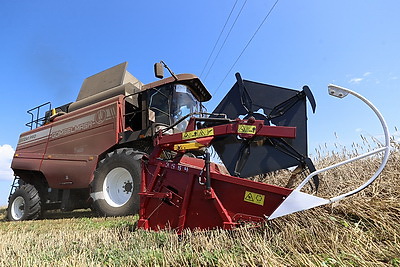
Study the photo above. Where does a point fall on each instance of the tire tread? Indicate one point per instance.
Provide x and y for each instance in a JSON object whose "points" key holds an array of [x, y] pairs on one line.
{"points": [[32, 201], [123, 154]]}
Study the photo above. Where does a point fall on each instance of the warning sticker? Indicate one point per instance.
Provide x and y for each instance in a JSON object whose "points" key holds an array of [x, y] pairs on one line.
{"points": [[254, 198], [198, 133], [246, 129]]}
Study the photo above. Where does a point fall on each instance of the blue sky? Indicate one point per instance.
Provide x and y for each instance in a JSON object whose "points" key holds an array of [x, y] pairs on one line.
{"points": [[49, 47]]}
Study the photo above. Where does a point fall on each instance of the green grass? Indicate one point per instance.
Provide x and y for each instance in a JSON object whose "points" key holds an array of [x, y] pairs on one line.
{"points": [[360, 231]]}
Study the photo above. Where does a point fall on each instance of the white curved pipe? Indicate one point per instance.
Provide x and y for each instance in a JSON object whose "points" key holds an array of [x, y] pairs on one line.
{"points": [[341, 92]]}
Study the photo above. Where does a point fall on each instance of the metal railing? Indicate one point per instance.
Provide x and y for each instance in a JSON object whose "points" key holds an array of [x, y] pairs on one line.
{"points": [[38, 117]]}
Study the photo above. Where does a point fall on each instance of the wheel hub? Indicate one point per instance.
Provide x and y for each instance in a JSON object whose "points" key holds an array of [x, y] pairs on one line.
{"points": [[118, 187], [127, 187], [18, 208]]}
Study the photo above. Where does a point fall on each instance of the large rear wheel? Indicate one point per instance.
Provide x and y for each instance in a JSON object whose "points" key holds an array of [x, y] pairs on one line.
{"points": [[24, 204], [116, 184]]}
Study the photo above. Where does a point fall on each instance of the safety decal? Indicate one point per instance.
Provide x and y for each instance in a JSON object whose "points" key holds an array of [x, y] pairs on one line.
{"points": [[254, 198], [246, 129], [198, 133]]}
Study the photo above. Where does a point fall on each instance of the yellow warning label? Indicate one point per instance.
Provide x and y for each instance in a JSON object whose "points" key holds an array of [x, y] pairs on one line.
{"points": [[246, 129], [254, 198], [188, 146], [198, 133]]}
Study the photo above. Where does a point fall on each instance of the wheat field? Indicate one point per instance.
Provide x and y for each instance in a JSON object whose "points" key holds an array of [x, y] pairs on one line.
{"points": [[363, 230]]}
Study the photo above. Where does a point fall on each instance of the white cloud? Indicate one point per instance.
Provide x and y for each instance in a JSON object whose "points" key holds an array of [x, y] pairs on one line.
{"points": [[6, 155], [393, 76], [367, 74], [356, 80]]}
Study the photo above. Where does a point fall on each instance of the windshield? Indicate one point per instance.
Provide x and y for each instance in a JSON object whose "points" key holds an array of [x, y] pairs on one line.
{"points": [[172, 102], [183, 103]]}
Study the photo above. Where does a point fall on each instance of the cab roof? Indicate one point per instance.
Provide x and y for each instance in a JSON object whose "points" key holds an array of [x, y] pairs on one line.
{"points": [[196, 86]]}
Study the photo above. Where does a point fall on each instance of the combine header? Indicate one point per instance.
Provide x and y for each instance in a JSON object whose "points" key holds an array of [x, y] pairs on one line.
{"points": [[197, 194], [126, 148]]}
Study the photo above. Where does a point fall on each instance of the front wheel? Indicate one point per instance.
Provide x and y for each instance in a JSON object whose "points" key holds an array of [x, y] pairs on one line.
{"points": [[116, 184], [24, 204]]}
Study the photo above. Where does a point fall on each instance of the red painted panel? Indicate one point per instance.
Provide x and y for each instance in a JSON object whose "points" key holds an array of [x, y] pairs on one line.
{"points": [[67, 150], [76, 141], [191, 207], [30, 149]]}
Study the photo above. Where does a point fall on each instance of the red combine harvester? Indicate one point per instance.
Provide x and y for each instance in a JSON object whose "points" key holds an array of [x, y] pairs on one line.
{"points": [[124, 147]]}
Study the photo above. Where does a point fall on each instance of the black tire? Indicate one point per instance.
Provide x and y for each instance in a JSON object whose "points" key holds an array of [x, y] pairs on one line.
{"points": [[116, 184], [24, 204]]}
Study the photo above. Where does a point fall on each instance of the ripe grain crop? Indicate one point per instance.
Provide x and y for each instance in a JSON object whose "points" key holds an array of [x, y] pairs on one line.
{"points": [[362, 230]]}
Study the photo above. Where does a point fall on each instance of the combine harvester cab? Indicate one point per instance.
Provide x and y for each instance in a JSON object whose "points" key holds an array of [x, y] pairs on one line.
{"points": [[262, 128]]}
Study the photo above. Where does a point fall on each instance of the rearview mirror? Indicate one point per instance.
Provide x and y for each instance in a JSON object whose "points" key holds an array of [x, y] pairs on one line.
{"points": [[159, 70]]}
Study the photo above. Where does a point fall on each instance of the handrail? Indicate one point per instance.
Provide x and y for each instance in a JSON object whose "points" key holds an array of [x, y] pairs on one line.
{"points": [[35, 118], [341, 92]]}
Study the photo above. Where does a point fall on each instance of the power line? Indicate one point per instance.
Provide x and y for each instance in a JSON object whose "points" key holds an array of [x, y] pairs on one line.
{"points": [[248, 43], [219, 37], [226, 38]]}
